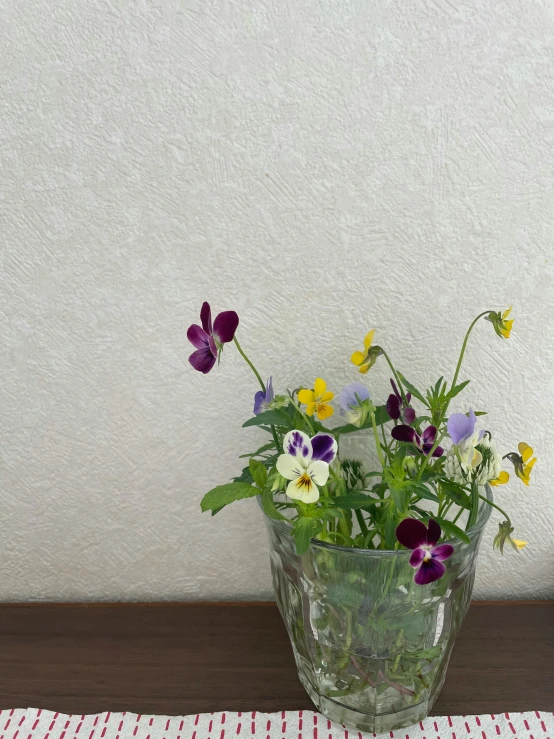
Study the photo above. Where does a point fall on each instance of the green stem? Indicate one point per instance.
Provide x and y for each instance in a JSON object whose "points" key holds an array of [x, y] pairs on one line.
{"points": [[396, 377], [462, 352], [498, 508], [304, 416], [429, 456], [255, 371], [474, 505], [361, 522], [377, 442]]}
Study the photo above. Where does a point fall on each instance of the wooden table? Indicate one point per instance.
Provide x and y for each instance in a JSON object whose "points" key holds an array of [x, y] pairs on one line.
{"points": [[178, 659]]}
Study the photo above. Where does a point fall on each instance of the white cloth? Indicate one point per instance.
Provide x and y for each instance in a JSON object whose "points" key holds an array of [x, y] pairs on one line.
{"points": [[32, 723]]}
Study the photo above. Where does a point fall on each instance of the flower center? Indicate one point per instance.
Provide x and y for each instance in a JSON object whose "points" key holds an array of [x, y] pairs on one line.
{"points": [[305, 481]]}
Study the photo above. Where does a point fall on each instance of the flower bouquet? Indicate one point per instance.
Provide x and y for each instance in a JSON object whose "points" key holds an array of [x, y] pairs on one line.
{"points": [[373, 569]]}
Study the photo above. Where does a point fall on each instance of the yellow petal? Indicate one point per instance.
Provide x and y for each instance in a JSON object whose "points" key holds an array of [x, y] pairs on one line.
{"points": [[502, 479], [369, 338], [324, 411], [520, 544], [364, 369], [507, 313], [326, 397], [525, 450], [357, 358], [310, 408], [320, 386], [306, 396], [506, 329]]}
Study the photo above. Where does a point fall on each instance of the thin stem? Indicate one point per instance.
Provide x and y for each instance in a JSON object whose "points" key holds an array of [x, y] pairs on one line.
{"points": [[377, 442], [396, 377], [361, 522], [304, 416], [474, 505], [462, 352], [498, 508], [249, 363]]}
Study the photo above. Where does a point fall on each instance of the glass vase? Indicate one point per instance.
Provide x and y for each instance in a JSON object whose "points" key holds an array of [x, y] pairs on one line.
{"points": [[371, 646]]}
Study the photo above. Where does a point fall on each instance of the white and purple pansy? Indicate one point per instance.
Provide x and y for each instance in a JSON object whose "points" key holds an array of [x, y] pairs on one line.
{"points": [[306, 464], [427, 558]]}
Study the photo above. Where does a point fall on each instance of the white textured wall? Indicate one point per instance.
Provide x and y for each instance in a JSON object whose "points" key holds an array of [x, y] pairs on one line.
{"points": [[323, 168]]}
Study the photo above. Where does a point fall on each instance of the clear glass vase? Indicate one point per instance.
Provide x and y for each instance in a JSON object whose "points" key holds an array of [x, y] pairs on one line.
{"points": [[371, 646]]}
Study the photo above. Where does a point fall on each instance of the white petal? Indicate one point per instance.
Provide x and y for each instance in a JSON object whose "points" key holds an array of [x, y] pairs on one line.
{"points": [[289, 467], [298, 444], [298, 490], [319, 472]]}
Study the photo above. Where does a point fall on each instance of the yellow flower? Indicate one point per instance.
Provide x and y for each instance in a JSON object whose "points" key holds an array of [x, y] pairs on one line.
{"points": [[317, 400], [523, 471], [501, 324], [366, 359], [518, 543], [502, 479]]}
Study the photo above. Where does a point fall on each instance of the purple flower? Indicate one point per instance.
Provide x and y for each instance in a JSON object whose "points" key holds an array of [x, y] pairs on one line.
{"points": [[461, 427], [427, 558], [396, 406], [263, 399], [208, 340], [354, 403], [423, 443]]}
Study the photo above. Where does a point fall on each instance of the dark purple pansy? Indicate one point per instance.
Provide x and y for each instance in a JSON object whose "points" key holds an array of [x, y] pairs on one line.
{"points": [[263, 399], [207, 339], [396, 407], [423, 443], [324, 447], [427, 558]]}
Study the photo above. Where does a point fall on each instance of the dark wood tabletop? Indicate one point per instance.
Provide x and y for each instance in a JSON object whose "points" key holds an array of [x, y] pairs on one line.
{"points": [[188, 658]]}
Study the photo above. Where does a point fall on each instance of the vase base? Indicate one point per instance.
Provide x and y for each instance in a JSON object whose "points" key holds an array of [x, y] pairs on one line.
{"points": [[338, 713]]}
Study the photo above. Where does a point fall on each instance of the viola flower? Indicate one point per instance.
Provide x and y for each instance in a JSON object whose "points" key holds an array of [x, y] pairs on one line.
{"points": [[423, 443], [355, 403], [366, 359], [500, 322], [396, 406], [209, 340], [504, 535], [461, 429], [317, 400], [523, 464], [427, 558], [263, 399], [305, 463]]}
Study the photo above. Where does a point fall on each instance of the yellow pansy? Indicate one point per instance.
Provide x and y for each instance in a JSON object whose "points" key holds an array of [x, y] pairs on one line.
{"points": [[366, 359], [502, 479], [317, 400], [501, 324], [524, 471]]}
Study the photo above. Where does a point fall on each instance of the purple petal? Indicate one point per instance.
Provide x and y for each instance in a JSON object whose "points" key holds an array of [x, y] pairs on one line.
{"points": [[442, 552], [408, 397], [411, 533], [213, 347], [296, 445], [395, 390], [404, 433], [197, 336], [324, 447], [408, 415], [206, 317], [393, 407], [429, 572], [202, 360], [460, 427], [349, 395], [417, 557], [269, 394], [433, 532], [259, 402], [225, 326], [429, 435], [439, 451]]}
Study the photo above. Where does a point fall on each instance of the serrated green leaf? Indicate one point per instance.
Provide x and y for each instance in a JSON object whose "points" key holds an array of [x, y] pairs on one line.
{"points": [[258, 472], [268, 418], [222, 495], [305, 529]]}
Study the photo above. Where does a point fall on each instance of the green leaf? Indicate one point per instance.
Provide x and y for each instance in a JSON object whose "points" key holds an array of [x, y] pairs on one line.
{"points": [[222, 495], [414, 391], [452, 529], [458, 389], [456, 493], [268, 504], [258, 472], [305, 529], [353, 500], [244, 476], [423, 492], [269, 418], [261, 450]]}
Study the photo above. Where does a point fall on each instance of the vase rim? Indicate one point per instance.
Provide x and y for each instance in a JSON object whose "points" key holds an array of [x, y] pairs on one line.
{"points": [[484, 515]]}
